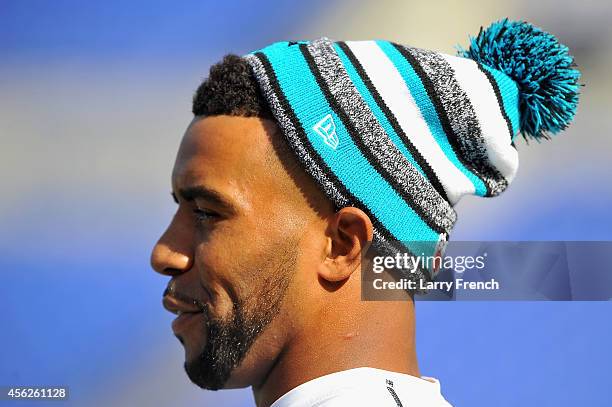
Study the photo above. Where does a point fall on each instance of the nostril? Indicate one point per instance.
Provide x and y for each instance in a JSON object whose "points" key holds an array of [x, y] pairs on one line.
{"points": [[172, 272]]}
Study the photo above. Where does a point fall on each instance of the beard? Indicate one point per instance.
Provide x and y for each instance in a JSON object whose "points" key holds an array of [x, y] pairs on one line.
{"points": [[229, 339]]}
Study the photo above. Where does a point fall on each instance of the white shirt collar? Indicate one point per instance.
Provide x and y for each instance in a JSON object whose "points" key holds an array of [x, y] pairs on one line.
{"points": [[365, 386]]}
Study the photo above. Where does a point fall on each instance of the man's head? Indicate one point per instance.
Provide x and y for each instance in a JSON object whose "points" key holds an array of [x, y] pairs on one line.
{"points": [[255, 247]]}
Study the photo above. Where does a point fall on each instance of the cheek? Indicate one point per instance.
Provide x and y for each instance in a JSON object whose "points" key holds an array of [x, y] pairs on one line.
{"points": [[232, 256], [224, 258], [225, 244], [216, 269]]}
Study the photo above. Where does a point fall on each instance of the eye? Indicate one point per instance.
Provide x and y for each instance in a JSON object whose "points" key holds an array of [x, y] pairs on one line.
{"points": [[204, 215]]}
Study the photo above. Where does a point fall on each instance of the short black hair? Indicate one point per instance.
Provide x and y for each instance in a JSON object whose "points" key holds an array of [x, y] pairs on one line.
{"points": [[230, 89]]}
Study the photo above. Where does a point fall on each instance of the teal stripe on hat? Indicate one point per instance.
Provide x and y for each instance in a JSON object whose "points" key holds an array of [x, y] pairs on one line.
{"points": [[346, 161], [378, 113], [427, 109], [509, 93]]}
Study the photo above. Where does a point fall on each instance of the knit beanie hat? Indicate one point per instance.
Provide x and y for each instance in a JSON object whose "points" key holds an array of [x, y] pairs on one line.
{"points": [[403, 133]]}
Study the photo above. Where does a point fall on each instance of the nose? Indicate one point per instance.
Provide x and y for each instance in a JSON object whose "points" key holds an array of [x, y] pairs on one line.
{"points": [[173, 253]]}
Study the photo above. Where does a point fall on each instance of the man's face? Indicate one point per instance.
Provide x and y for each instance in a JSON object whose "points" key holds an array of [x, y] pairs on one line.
{"points": [[235, 249]]}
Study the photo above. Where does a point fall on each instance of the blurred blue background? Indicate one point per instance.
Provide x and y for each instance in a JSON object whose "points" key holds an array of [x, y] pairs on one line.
{"points": [[94, 97]]}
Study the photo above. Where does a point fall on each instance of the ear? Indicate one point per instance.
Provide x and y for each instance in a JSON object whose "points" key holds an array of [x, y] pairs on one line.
{"points": [[350, 231]]}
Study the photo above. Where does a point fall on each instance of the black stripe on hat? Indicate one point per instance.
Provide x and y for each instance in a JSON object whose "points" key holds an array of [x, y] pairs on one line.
{"points": [[498, 96], [429, 172]]}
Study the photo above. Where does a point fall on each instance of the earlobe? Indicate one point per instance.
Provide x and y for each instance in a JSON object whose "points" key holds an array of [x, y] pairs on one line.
{"points": [[350, 232]]}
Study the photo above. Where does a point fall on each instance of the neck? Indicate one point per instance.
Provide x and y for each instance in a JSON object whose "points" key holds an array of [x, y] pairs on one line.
{"points": [[377, 334]]}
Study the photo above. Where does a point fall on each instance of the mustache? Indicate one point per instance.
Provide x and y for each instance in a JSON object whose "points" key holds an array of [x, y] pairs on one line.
{"points": [[171, 291]]}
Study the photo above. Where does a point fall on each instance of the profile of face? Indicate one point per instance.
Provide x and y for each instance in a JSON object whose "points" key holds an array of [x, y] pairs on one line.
{"points": [[245, 249]]}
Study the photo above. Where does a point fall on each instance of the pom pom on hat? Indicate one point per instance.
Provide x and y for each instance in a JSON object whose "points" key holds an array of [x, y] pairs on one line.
{"points": [[542, 68]]}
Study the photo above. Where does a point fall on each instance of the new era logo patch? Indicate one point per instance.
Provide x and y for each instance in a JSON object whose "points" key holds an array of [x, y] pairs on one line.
{"points": [[326, 128]]}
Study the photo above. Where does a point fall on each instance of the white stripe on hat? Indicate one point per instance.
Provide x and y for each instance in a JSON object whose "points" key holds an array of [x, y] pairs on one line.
{"points": [[488, 112], [397, 97]]}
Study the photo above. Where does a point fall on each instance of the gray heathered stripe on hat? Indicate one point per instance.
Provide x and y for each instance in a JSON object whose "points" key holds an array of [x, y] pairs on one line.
{"points": [[374, 137], [461, 116]]}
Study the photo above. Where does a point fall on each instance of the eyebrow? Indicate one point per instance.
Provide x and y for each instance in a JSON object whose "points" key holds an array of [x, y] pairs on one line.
{"points": [[189, 194]]}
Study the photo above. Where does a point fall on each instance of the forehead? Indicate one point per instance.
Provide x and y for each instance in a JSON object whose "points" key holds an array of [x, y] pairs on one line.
{"points": [[228, 153]]}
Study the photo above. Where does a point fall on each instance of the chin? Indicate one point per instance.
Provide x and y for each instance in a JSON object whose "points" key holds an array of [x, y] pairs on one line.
{"points": [[238, 378]]}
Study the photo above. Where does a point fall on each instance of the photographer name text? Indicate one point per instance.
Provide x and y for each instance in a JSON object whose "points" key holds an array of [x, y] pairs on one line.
{"points": [[457, 284]]}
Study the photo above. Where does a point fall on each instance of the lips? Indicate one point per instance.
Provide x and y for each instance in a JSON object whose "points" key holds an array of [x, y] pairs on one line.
{"points": [[178, 304]]}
